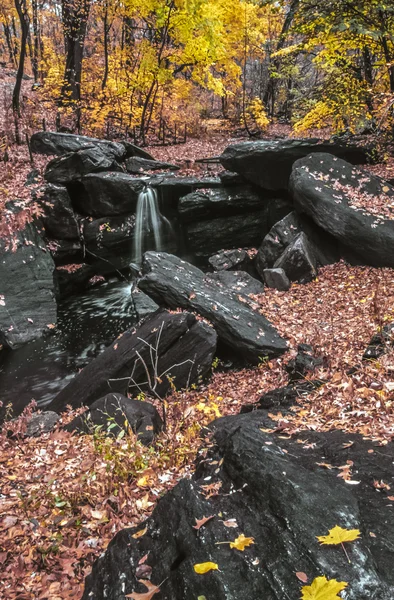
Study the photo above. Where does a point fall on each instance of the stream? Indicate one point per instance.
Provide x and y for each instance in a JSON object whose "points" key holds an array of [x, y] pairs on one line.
{"points": [[86, 324]]}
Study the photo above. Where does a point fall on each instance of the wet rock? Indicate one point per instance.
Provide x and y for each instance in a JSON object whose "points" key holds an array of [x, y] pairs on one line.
{"points": [[51, 142], [284, 397], [172, 282], [27, 294], [72, 278], [268, 163], [238, 282], [65, 252], [273, 488], [136, 165], [380, 343], [211, 203], [184, 346], [277, 279], [74, 165], [329, 189], [228, 178], [116, 413], [109, 242], [276, 241], [32, 177], [41, 422], [204, 238], [231, 260], [59, 218], [109, 194], [143, 305], [305, 363], [298, 261]]}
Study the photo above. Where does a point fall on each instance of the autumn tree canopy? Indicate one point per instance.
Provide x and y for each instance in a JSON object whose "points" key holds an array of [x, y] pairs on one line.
{"points": [[140, 63]]}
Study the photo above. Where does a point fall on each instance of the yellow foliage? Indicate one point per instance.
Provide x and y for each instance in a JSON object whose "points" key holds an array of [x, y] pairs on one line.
{"points": [[203, 568], [323, 589], [338, 535], [257, 111]]}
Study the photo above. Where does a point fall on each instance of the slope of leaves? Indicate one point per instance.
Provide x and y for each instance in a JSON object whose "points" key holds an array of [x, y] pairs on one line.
{"points": [[64, 498]]}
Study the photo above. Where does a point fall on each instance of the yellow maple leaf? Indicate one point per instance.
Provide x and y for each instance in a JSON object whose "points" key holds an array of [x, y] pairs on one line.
{"points": [[322, 588], [338, 535], [202, 568], [242, 542]]}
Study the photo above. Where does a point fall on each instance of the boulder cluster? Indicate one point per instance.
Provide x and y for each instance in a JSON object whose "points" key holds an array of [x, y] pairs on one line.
{"points": [[281, 211]]}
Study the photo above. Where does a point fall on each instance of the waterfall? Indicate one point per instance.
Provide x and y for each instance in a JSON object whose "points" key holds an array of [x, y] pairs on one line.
{"points": [[148, 224]]}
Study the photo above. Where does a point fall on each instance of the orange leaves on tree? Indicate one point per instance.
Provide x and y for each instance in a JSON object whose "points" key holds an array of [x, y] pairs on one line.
{"points": [[202, 568], [338, 535], [152, 590], [322, 588]]}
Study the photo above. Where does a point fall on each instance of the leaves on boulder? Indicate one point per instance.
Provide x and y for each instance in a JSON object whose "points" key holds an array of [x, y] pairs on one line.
{"points": [[201, 522], [202, 568], [339, 535], [242, 542], [322, 588], [152, 590]]}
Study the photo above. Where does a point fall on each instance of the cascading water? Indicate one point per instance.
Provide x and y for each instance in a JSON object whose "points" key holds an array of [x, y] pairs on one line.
{"points": [[149, 224]]}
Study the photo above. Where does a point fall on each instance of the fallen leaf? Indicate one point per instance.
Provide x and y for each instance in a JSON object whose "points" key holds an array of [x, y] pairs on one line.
{"points": [[242, 542], [152, 590], [338, 535], [322, 588], [302, 576], [202, 568], [230, 523], [139, 533], [201, 522]]}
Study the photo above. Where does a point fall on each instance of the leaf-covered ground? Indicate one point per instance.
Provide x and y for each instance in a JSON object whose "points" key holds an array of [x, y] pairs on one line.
{"points": [[63, 498]]}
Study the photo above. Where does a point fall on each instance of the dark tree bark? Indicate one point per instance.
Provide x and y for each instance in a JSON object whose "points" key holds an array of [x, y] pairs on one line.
{"points": [[75, 18], [21, 8], [36, 42], [107, 26], [10, 46], [270, 94]]}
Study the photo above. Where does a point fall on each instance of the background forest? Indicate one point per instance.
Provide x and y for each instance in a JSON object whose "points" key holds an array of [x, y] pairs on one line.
{"points": [[151, 68]]}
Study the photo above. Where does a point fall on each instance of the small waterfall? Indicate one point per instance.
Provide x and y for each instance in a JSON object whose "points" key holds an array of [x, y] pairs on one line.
{"points": [[149, 224]]}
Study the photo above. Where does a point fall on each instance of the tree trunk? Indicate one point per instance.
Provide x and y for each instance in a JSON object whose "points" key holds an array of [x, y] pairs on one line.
{"points": [[11, 49], [106, 31], [270, 94], [36, 42], [75, 18], [21, 8]]}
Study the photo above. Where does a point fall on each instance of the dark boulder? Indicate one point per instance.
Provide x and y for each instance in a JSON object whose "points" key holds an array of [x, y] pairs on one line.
{"points": [[276, 241], [65, 252], [109, 194], [41, 422], [143, 305], [284, 397], [304, 364], [59, 218], [380, 343], [228, 178], [109, 242], [183, 346], [276, 278], [238, 282], [268, 163], [299, 260], [115, 413], [136, 165], [27, 296], [274, 490], [73, 166], [204, 238], [231, 260], [73, 277], [339, 199], [172, 282], [211, 203], [51, 142], [133, 150]]}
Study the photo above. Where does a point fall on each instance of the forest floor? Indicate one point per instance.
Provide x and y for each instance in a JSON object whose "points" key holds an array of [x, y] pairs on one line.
{"points": [[64, 497]]}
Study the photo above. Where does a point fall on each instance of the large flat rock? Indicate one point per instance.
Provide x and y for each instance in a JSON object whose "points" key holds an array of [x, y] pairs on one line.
{"points": [[171, 348], [277, 491], [175, 283], [352, 205], [27, 297], [268, 163], [53, 142]]}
